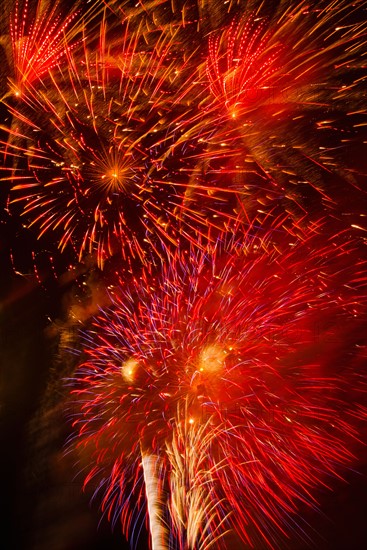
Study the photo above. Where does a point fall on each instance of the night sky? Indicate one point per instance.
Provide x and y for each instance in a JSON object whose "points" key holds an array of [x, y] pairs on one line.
{"points": [[45, 507]]}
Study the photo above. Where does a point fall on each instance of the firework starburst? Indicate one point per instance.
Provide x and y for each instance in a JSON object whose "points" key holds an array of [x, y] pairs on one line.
{"points": [[196, 159], [237, 350]]}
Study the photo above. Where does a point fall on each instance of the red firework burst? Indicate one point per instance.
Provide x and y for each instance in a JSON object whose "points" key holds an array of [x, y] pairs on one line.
{"points": [[243, 75], [223, 387], [40, 39], [280, 84]]}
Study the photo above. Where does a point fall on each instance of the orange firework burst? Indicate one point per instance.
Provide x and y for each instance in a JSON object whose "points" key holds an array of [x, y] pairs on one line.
{"points": [[95, 158]]}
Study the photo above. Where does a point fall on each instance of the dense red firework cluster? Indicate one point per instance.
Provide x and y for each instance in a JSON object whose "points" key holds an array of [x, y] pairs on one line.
{"points": [[242, 345], [203, 150], [244, 76]]}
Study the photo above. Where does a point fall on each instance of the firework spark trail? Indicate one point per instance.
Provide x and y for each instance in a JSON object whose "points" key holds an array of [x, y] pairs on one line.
{"points": [[240, 344], [195, 512], [156, 528]]}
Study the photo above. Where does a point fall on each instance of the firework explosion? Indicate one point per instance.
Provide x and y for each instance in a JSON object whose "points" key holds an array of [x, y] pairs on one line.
{"points": [[227, 373], [196, 146], [126, 135], [278, 84], [90, 146], [38, 43], [91, 166]]}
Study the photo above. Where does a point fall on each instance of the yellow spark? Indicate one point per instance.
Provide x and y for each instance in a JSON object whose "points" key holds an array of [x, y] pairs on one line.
{"points": [[129, 370]]}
